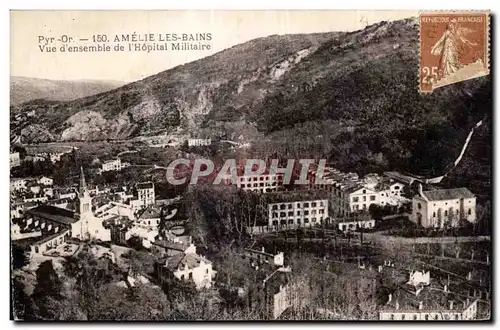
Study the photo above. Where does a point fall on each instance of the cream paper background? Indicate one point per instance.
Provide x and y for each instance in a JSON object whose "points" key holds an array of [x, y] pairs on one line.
{"points": [[228, 28]]}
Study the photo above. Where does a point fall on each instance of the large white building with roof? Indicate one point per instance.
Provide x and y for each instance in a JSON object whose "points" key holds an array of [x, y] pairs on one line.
{"points": [[440, 207]]}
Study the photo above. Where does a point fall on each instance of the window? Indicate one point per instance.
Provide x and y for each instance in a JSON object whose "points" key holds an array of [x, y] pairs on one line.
{"points": [[283, 222], [392, 316], [306, 204], [427, 317], [436, 317], [372, 198], [434, 214], [364, 191], [419, 206], [321, 211], [290, 222], [206, 271], [414, 316], [182, 277], [355, 199], [313, 204], [396, 188], [290, 206], [446, 213], [364, 198], [275, 222], [469, 212], [290, 213], [190, 275], [402, 316], [306, 212], [282, 206], [282, 214], [275, 214], [364, 206], [262, 184], [306, 220], [275, 207]]}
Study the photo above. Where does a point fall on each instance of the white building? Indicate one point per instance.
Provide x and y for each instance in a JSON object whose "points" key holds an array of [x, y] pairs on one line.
{"points": [[300, 213], [18, 184], [15, 159], [421, 300], [146, 193], [112, 165], [360, 198], [113, 209], [146, 235], [199, 142], [261, 183], [150, 218], [262, 256], [437, 208], [46, 181], [346, 224], [189, 267]]}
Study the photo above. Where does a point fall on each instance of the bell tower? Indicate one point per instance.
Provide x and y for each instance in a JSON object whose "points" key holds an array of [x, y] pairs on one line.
{"points": [[84, 208]]}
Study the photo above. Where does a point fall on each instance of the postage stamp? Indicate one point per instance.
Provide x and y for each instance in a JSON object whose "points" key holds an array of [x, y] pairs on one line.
{"points": [[454, 47]]}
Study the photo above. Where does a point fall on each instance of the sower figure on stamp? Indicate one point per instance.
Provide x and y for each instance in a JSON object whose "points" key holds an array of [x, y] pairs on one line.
{"points": [[449, 47]]}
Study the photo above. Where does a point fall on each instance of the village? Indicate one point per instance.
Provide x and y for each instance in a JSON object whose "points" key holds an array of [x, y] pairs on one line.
{"points": [[400, 250]]}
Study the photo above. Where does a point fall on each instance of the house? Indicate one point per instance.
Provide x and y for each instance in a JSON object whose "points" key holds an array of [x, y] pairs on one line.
{"points": [[111, 165], [443, 207], [146, 193], [165, 248], [419, 299], [260, 183], [35, 198], [150, 217], [261, 256], [187, 267], [353, 224], [146, 235], [298, 213], [113, 209], [15, 159], [199, 142], [360, 198], [18, 184], [46, 181]]}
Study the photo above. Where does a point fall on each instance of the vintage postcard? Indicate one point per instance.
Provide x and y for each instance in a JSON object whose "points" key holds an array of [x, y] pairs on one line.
{"points": [[250, 165]]}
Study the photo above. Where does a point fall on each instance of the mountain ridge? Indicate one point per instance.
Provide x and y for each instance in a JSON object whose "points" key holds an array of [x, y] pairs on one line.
{"points": [[24, 89]]}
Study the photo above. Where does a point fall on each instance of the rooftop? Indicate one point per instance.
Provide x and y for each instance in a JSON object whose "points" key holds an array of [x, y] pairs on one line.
{"points": [[150, 213], [171, 245], [430, 298], [296, 196], [145, 185], [447, 194], [53, 213], [185, 260]]}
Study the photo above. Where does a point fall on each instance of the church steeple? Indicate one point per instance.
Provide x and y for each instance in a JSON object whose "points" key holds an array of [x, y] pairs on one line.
{"points": [[83, 184]]}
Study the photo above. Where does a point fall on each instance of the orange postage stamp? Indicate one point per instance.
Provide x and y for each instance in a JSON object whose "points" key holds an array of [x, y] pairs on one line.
{"points": [[454, 46]]}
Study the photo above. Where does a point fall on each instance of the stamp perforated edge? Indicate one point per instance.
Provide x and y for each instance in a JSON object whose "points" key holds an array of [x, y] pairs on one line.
{"points": [[445, 11]]}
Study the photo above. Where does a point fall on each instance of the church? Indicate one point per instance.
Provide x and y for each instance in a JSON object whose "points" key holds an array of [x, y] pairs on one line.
{"points": [[56, 224]]}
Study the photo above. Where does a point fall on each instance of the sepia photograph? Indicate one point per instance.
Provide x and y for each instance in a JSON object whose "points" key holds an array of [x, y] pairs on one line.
{"points": [[251, 165]]}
